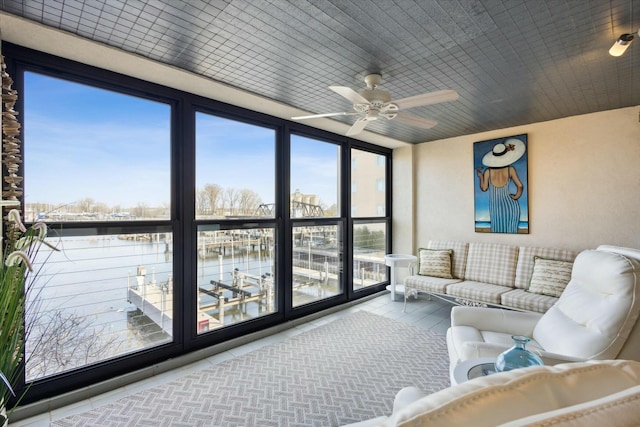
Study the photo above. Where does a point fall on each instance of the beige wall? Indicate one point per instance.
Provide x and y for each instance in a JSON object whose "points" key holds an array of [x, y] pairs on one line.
{"points": [[584, 185], [403, 215]]}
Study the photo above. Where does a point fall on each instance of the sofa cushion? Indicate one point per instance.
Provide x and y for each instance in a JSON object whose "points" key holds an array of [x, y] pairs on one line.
{"points": [[550, 276], [523, 300], [526, 256], [477, 291], [596, 312], [435, 262], [458, 258], [434, 285], [492, 263], [511, 395]]}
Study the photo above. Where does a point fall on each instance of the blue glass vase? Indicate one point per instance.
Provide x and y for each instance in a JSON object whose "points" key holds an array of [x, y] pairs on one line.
{"points": [[517, 356]]}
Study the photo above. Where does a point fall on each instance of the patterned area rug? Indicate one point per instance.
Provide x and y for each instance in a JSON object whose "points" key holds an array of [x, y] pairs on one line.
{"points": [[342, 372]]}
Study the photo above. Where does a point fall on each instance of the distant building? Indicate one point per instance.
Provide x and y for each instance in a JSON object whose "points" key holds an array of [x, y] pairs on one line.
{"points": [[368, 178], [305, 205], [309, 199]]}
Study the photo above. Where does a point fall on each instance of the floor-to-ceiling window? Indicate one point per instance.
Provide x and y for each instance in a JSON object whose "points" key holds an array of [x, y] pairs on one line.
{"points": [[235, 187], [369, 217], [317, 232], [96, 156], [182, 222]]}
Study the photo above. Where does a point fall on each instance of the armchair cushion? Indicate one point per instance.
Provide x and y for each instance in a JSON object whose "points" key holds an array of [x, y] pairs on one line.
{"points": [[596, 312]]}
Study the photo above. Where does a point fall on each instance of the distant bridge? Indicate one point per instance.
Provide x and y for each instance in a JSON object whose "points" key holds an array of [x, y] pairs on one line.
{"points": [[306, 209]]}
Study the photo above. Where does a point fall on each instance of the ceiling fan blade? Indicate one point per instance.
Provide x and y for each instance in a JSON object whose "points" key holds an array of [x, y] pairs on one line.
{"points": [[357, 127], [411, 120], [315, 116], [427, 99], [350, 94]]}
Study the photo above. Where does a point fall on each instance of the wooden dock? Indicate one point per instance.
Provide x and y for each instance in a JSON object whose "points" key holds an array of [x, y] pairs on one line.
{"points": [[156, 300], [157, 305], [210, 249]]}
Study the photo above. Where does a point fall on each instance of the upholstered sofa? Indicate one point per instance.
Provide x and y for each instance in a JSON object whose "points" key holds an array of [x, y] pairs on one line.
{"points": [[594, 393], [493, 275]]}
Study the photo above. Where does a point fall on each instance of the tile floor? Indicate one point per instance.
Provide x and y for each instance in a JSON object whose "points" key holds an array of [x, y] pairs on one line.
{"points": [[434, 315]]}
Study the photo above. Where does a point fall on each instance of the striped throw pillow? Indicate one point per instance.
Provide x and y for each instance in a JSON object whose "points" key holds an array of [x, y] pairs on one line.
{"points": [[435, 262], [550, 276]]}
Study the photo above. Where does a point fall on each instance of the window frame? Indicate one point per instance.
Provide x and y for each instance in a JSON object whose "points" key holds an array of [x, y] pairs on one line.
{"points": [[386, 219], [183, 223]]}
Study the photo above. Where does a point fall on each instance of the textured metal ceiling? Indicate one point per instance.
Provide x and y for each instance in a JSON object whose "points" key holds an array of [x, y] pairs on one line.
{"points": [[512, 61]]}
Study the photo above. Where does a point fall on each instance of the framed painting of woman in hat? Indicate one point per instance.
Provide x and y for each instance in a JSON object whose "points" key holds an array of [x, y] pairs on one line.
{"points": [[501, 196]]}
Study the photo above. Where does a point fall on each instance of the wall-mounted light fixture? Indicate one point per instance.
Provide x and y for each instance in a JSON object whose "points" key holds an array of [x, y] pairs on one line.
{"points": [[622, 44]]}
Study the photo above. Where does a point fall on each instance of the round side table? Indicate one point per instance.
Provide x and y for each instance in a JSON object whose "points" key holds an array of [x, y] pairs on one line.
{"points": [[393, 261]]}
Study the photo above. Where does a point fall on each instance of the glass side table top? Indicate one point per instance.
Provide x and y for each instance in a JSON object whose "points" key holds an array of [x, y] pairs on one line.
{"points": [[481, 370], [473, 368]]}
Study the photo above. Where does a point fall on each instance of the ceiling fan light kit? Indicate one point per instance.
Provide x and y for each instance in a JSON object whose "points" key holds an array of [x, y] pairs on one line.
{"points": [[621, 45], [373, 104]]}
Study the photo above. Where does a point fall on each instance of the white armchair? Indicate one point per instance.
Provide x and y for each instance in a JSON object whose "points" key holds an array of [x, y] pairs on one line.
{"points": [[594, 318]]}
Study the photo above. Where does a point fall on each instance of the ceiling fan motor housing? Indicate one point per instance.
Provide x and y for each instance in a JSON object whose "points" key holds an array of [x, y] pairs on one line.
{"points": [[377, 97]]}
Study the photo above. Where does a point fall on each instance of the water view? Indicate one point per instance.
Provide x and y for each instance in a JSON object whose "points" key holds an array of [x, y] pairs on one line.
{"points": [[105, 296], [115, 293], [83, 314]]}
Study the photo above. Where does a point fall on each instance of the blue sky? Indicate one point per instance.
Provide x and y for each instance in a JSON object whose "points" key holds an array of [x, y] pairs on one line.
{"points": [[83, 142], [237, 155]]}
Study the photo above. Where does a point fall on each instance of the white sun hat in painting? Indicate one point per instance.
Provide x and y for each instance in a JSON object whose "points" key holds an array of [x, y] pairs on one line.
{"points": [[504, 153]]}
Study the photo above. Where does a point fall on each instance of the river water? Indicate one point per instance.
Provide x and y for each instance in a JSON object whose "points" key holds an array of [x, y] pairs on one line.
{"points": [[82, 291]]}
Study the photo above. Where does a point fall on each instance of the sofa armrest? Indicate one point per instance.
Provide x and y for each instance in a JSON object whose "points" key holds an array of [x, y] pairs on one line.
{"points": [[491, 319]]}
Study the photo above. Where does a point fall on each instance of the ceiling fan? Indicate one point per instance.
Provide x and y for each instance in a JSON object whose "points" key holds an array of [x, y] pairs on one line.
{"points": [[373, 103]]}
